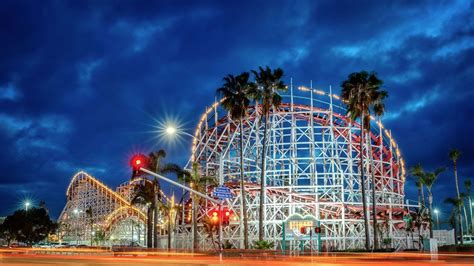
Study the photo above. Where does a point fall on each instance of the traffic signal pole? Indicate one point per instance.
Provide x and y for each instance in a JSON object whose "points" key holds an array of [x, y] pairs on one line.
{"points": [[218, 202]]}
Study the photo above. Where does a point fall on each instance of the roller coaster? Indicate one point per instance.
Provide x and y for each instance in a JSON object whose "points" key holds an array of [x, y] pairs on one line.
{"points": [[312, 178]]}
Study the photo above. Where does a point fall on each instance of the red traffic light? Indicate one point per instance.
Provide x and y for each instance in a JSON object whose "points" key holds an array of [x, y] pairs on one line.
{"points": [[303, 230], [317, 230], [138, 161]]}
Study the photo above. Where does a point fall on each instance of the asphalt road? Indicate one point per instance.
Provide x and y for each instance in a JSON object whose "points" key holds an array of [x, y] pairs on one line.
{"points": [[164, 259]]}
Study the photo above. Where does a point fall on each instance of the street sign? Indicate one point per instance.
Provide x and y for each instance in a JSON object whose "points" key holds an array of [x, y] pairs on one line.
{"points": [[222, 192]]}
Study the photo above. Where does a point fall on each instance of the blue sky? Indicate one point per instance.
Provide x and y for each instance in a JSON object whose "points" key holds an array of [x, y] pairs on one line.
{"points": [[82, 82]]}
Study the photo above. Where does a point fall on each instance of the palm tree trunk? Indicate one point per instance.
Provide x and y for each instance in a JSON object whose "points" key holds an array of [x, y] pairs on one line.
{"points": [[422, 196], [465, 217], [456, 178], [155, 218], [430, 202], [149, 230], [460, 225], [374, 202], [455, 166], [461, 231], [455, 225], [242, 189], [472, 218], [362, 180], [262, 181], [169, 229], [195, 227], [419, 192]]}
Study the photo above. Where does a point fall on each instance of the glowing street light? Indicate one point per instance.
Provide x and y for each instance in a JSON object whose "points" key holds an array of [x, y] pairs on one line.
{"points": [[27, 204], [170, 130], [175, 131]]}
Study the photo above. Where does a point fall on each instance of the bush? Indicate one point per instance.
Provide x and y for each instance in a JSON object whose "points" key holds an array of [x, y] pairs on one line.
{"points": [[227, 245], [263, 244]]}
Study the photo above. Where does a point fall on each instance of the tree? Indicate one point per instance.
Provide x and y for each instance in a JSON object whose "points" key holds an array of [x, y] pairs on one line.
{"points": [[454, 155], [362, 95], [148, 193], [91, 221], [99, 236], [418, 172], [63, 229], [29, 227], [198, 182], [428, 179], [144, 193], [453, 223], [457, 205], [6, 233], [468, 186], [236, 93], [210, 228], [268, 84], [157, 166]]}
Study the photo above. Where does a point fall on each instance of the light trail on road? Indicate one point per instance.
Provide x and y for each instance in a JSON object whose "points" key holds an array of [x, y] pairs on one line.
{"points": [[28, 256]]}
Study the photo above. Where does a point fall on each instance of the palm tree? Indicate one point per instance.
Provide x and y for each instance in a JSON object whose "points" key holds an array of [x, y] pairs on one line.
{"points": [[236, 100], [144, 193], [268, 85], [468, 186], [418, 172], [454, 156], [91, 222], [457, 205], [198, 182], [361, 94], [157, 166], [428, 179], [453, 223], [168, 207]]}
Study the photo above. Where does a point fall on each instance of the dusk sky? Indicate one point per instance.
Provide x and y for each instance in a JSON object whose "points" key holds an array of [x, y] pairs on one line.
{"points": [[83, 84]]}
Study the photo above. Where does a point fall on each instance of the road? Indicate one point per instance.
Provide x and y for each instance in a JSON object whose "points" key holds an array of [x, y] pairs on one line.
{"points": [[164, 259]]}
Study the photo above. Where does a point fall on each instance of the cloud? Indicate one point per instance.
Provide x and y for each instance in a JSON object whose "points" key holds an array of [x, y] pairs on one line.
{"points": [[86, 70], [133, 59], [457, 46], [10, 92], [413, 105], [45, 132]]}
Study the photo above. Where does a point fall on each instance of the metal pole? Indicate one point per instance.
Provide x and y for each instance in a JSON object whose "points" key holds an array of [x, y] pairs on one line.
{"points": [[220, 231], [180, 185], [195, 192]]}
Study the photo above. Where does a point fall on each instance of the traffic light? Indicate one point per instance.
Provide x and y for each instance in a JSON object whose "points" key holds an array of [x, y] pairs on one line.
{"points": [[317, 230], [137, 162], [303, 230], [226, 217], [215, 216]]}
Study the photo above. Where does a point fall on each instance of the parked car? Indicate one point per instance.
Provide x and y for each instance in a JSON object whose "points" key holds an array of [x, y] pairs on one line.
{"points": [[468, 239], [42, 245]]}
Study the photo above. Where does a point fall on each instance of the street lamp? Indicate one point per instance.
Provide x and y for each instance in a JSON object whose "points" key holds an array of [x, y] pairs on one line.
{"points": [[170, 130], [27, 204], [174, 131], [436, 212]]}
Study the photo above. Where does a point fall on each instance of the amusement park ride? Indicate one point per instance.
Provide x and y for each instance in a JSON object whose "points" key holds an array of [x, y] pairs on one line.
{"points": [[312, 180]]}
